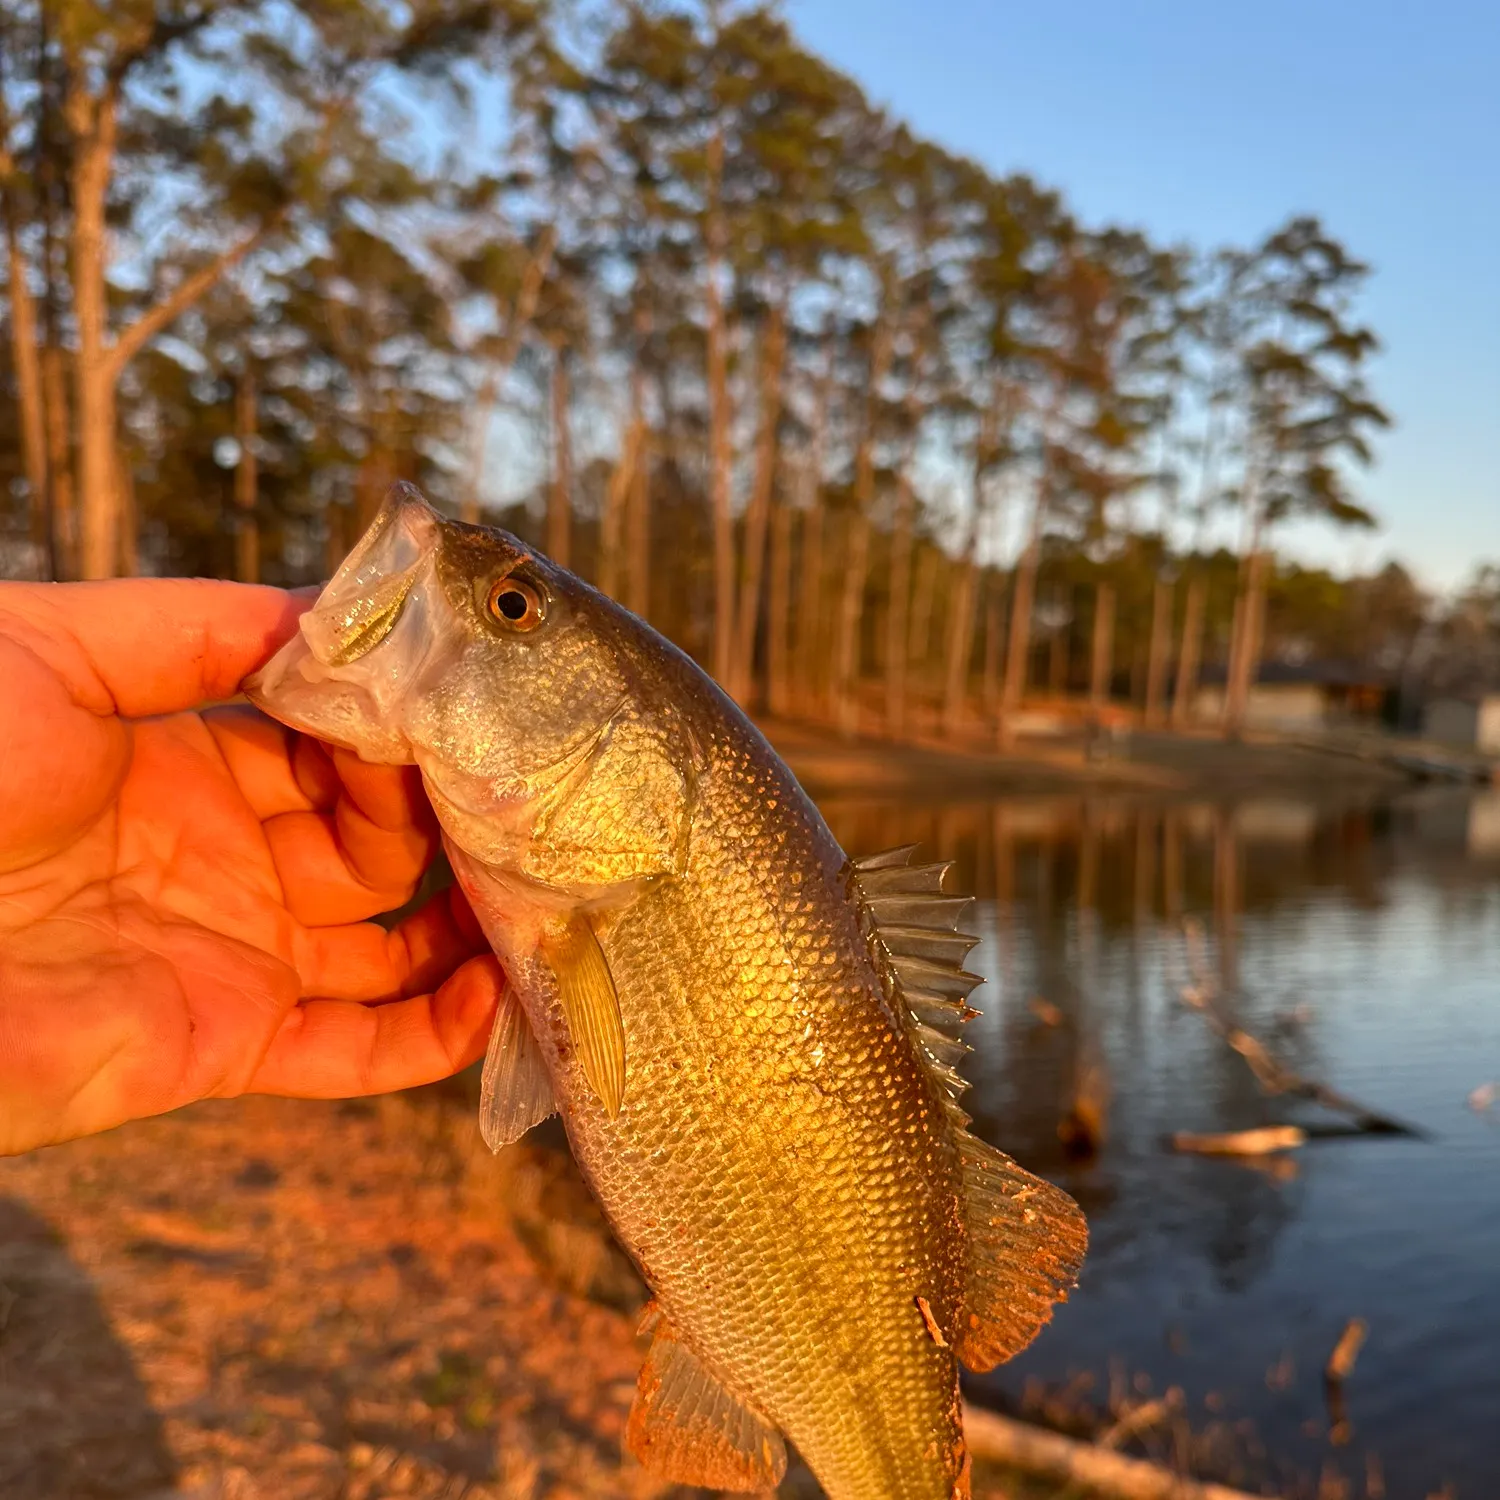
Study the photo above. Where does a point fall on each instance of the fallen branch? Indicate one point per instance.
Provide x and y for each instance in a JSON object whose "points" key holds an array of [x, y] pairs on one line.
{"points": [[1261, 1142], [1274, 1077], [1034, 1450], [1341, 1362]]}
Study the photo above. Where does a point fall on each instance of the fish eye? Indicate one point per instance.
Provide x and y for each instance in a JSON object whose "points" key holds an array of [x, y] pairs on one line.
{"points": [[516, 604]]}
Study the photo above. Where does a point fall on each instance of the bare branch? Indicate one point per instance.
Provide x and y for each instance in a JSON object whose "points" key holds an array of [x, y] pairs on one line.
{"points": [[181, 298]]}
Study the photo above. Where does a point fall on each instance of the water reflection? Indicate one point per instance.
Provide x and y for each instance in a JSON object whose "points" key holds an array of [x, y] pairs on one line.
{"points": [[1359, 944]]}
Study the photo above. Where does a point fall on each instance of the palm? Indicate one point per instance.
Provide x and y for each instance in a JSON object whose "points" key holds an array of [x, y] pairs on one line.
{"points": [[184, 902]]}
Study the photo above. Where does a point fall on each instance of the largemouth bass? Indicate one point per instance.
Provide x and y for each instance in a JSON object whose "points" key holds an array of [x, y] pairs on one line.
{"points": [[750, 1039]]}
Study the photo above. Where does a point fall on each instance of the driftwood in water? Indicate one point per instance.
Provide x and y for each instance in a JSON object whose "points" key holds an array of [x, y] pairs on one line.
{"points": [[1034, 1450], [1261, 1142], [1274, 1077]]}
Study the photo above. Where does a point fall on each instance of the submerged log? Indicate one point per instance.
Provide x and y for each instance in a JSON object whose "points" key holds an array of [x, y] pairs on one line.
{"points": [[1259, 1142], [1035, 1450]]}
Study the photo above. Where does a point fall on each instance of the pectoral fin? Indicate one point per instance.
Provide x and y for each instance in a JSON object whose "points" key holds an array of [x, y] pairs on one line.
{"points": [[514, 1090], [686, 1427], [591, 1008]]}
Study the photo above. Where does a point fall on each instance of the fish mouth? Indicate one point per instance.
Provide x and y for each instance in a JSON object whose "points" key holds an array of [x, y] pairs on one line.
{"points": [[366, 640]]}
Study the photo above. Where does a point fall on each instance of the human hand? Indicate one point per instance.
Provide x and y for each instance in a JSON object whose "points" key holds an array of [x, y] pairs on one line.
{"points": [[185, 892]]}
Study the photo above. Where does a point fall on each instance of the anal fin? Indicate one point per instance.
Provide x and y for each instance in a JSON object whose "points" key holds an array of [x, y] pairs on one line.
{"points": [[1027, 1240], [686, 1427], [591, 1008], [514, 1090]]}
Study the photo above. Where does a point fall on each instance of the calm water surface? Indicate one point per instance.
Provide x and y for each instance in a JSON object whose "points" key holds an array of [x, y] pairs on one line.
{"points": [[1363, 946]]}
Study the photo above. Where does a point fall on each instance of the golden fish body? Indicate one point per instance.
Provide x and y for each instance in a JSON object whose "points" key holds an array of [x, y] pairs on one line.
{"points": [[711, 1002]]}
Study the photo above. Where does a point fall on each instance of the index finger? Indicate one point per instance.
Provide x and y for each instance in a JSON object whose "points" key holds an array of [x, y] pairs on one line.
{"points": [[141, 646]]}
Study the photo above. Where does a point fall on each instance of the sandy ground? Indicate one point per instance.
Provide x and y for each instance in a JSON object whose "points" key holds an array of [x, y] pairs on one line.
{"points": [[275, 1300], [292, 1300]]}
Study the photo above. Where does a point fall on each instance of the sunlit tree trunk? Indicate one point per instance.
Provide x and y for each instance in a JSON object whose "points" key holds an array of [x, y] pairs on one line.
{"points": [[923, 600], [616, 504], [92, 123], [898, 617], [1244, 661], [246, 483], [857, 551], [779, 609], [1101, 667], [773, 364], [994, 632], [1159, 652], [638, 502], [811, 636], [60, 491], [850, 619], [26, 360], [719, 456], [130, 523], [532, 279], [810, 633], [1190, 656], [1023, 599], [1023, 595], [959, 647], [560, 496], [638, 598]]}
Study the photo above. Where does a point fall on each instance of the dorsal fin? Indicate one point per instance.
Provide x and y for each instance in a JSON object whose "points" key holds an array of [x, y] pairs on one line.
{"points": [[1026, 1238]]}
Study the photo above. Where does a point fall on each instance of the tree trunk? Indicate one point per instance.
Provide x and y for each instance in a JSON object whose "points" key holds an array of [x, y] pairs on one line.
{"points": [[994, 630], [638, 501], [1018, 646], [1102, 666], [92, 123], [810, 674], [719, 458], [532, 278], [779, 608], [899, 616], [130, 524], [923, 603], [638, 598], [560, 497], [851, 617], [773, 362], [60, 491], [28, 367], [1159, 652], [616, 498], [1244, 665], [246, 484], [852, 600], [959, 647], [1190, 656]]}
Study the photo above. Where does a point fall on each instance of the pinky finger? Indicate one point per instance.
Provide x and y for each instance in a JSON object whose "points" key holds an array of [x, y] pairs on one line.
{"points": [[336, 1049]]}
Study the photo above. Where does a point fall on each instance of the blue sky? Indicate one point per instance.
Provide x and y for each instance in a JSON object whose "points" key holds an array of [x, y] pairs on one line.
{"points": [[1212, 122]]}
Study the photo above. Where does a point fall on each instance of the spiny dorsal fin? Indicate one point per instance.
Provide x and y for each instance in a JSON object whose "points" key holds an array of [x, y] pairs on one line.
{"points": [[686, 1427], [514, 1090], [1025, 1238]]}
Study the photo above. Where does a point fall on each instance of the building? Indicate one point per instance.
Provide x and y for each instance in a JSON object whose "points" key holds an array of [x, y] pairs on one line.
{"points": [[1298, 696], [1472, 721]]}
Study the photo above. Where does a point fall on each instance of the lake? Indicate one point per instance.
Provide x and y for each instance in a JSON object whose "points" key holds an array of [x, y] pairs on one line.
{"points": [[1361, 945]]}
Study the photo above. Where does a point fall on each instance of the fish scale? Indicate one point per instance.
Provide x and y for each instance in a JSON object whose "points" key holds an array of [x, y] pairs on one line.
{"points": [[749, 1039]]}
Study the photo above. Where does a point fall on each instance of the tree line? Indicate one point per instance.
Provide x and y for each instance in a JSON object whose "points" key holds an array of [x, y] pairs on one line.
{"points": [[865, 426]]}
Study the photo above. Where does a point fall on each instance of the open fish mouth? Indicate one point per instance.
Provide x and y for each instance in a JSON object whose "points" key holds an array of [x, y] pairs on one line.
{"points": [[368, 642]]}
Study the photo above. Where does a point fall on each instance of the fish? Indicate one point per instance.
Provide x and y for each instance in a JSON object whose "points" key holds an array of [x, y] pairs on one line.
{"points": [[752, 1040]]}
